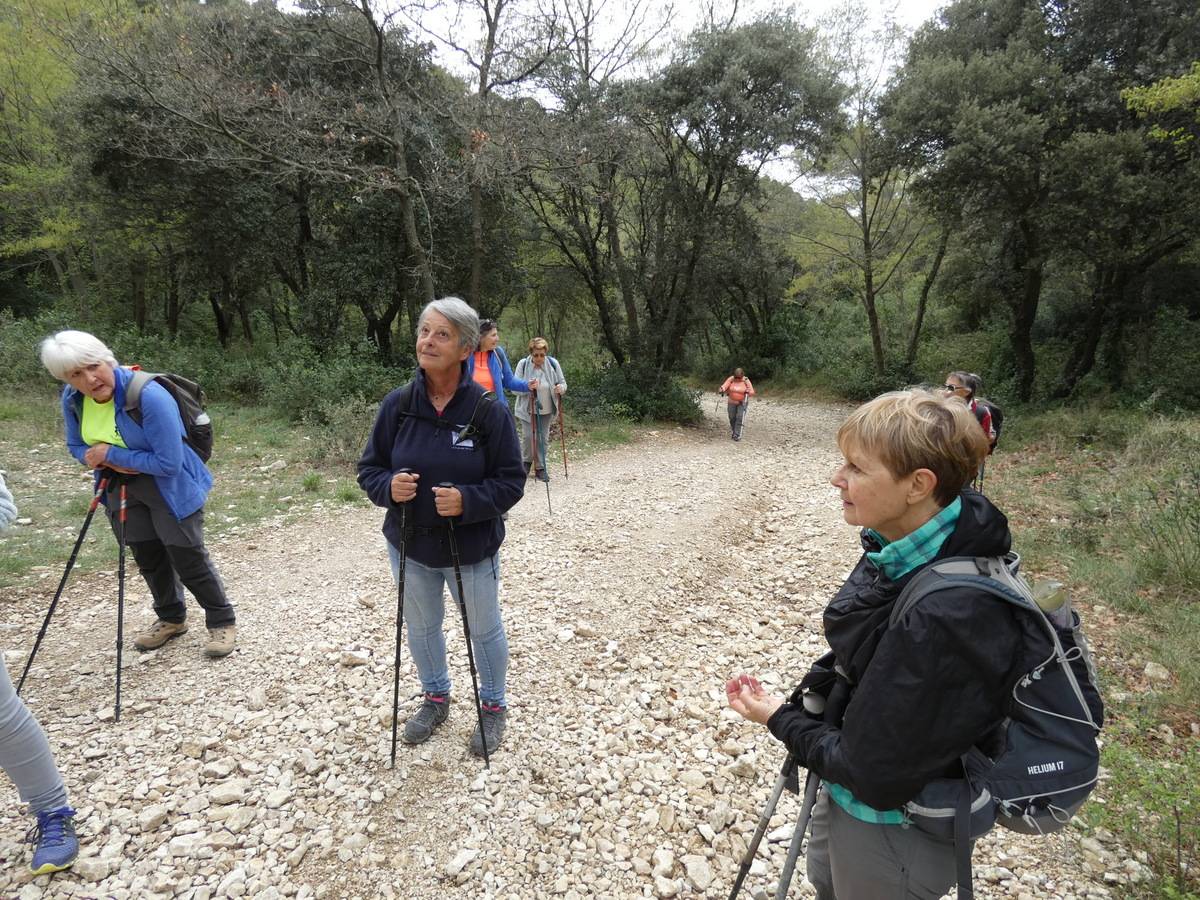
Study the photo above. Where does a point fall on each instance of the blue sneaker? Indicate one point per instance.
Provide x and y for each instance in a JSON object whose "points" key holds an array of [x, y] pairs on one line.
{"points": [[54, 835]]}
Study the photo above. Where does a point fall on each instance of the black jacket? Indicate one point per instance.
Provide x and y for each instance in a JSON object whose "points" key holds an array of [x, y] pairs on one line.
{"points": [[486, 469], [923, 692]]}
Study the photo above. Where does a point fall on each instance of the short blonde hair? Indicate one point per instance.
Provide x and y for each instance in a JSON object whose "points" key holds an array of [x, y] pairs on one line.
{"points": [[67, 351], [917, 429], [539, 343]]}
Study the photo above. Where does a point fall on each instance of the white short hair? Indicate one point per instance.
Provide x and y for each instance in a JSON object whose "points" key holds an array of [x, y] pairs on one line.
{"points": [[67, 351], [460, 315]]}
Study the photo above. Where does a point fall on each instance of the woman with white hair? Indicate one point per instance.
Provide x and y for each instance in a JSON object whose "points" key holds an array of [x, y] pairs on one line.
{"points": [[438, 430], [166, 484]]}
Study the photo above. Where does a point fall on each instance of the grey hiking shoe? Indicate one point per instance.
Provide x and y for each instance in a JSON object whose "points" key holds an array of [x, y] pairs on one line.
{"points": [[158, 634], [494, 719], [430, 714]]}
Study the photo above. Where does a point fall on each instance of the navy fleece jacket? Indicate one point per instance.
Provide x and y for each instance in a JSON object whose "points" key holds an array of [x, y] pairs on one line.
{"points": [[486, 469]]}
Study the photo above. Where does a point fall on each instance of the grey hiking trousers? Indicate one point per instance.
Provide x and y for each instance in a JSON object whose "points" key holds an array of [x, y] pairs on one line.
{"points": [[737, 413], [849, 859], [24, 752]]}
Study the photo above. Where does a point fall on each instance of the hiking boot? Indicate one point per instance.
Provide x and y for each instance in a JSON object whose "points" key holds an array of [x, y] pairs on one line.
{"points": [[429, 715], [494, 718], [220, 641], [54, 837], [543, 475], [158, 634]]}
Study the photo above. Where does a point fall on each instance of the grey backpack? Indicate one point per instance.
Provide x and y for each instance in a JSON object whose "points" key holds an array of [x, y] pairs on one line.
{"points": [[1050, 761]]}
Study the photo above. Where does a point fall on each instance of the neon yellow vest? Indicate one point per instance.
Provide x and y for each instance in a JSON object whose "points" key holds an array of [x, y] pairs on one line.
{"points": [[98, 424]]}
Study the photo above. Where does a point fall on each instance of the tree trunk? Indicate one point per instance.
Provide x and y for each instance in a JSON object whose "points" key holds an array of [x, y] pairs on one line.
{"points": [[137, 286], [220, 303], [1024, 312], [475, 288], [78, 282], [408, 215], [174, 306], [1083, 354], [922, 303], [616, 254]]}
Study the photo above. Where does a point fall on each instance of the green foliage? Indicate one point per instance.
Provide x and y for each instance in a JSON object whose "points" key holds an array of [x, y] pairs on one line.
{"points": [[1167, 525], [1170, 95], [343, 429], [305, 387], [634, 394], [1152, 801]]}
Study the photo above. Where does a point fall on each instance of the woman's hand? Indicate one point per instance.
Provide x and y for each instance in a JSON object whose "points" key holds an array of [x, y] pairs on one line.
{"points": [[448, 501], [748, 699], [404, 486], [560, 389], [533, 385], [95, 455]]}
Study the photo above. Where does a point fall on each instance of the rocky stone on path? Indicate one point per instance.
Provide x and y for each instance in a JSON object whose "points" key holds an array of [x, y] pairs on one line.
{"points": [[355, 656], [92, 868], [665, 887], [699, 872], [229, 792], [151, 817], [1157, 671], [460, 861]]}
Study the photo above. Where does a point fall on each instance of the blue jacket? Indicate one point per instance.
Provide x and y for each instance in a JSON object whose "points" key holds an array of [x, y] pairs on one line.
{"points": [[502, 373], [155, 447], [487, 470]]}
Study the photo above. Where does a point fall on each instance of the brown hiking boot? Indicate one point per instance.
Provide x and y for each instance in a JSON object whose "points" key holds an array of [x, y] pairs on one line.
{"points": [[220, 641], [158, 634]]}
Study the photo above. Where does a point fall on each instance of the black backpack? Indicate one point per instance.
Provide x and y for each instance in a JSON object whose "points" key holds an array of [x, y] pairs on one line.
{"points": [[1049, 762], [188, 396]]}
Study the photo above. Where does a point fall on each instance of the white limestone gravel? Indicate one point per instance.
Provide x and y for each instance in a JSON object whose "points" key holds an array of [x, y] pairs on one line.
{"points": [[667, 565]]}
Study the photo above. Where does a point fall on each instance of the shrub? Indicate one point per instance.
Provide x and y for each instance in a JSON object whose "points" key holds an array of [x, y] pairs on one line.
{"points": [[1168, 525], [633, 394], [343, 430]]}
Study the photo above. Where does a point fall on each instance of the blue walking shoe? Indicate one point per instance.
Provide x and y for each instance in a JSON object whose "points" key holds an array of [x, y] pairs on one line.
{"points": [[54, 835]]}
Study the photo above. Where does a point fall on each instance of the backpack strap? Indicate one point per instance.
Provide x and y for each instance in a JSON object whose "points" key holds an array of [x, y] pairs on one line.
{"points": [[407, 403], [133, 393], [1000, 577]]}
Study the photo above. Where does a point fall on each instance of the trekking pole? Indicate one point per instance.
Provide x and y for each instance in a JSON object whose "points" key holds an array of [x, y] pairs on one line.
{"points": [[982, 472], [533, 444], [120, 596], [399, 620], [462, 607], [742, 417], [87, 522], [562, 436], [764, 821], [811, 785]]}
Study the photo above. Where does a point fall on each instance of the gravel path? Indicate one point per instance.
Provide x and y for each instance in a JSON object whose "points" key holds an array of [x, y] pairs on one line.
{"points": [[681, 559]]}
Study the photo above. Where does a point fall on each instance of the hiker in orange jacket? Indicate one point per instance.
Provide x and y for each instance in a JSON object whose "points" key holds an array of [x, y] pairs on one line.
{"points": [[737, 389]]}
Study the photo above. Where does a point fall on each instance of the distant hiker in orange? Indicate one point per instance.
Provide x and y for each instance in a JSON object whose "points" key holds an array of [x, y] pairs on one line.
{"points": [[737, 389]]}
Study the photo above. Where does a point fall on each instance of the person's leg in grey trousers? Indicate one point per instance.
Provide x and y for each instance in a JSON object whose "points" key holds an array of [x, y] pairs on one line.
{"points": [[733, 418], [849, 859], [25, 754]]}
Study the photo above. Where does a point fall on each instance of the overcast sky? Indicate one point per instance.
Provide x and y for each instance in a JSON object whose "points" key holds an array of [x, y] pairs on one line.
{"points": [[686, 15]]}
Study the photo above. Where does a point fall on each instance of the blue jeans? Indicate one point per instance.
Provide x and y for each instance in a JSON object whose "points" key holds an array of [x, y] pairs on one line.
{"points": [[25, 754], [543, 438], [424, 608]]}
